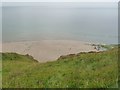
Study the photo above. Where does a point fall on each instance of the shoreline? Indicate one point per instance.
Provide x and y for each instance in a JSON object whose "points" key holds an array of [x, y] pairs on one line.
{"points": [[47, 50]]}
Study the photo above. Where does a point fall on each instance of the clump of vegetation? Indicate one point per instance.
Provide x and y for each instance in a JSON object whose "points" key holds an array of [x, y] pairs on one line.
{"points": [[83, 70]]}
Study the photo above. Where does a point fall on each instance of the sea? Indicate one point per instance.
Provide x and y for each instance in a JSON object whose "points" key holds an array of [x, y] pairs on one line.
{"points": [[91, 22]]}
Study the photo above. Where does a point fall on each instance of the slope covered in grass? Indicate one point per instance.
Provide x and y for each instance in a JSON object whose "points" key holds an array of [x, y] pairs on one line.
{"points": [[84, 70]]}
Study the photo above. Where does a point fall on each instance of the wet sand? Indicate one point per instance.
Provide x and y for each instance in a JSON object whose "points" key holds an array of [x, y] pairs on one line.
{"points": [[47, 50]]}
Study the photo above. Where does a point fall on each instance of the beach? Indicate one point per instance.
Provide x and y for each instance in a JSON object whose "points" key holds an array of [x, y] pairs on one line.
{"points": [[47, 50]]}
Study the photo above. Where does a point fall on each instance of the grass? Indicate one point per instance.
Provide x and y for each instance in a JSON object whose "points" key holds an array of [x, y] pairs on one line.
{"points": [[83, 70], [0, 71]]}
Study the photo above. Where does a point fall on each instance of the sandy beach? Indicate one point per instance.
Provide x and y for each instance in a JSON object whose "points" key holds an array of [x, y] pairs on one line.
{"points": [[47, 50]]}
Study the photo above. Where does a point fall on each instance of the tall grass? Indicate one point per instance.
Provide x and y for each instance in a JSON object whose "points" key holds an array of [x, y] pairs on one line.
{"points": [[83, 70]]}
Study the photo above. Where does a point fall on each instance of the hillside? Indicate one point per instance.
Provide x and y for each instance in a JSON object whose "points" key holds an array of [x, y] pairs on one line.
{"points": [[83, 70]]}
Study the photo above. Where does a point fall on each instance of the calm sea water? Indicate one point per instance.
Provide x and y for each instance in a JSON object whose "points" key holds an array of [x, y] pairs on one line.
{"points": [[20, 23]]}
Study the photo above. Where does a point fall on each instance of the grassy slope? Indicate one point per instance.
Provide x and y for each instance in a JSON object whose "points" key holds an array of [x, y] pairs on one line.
{"points": [[0, 71], [82, 71]]}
